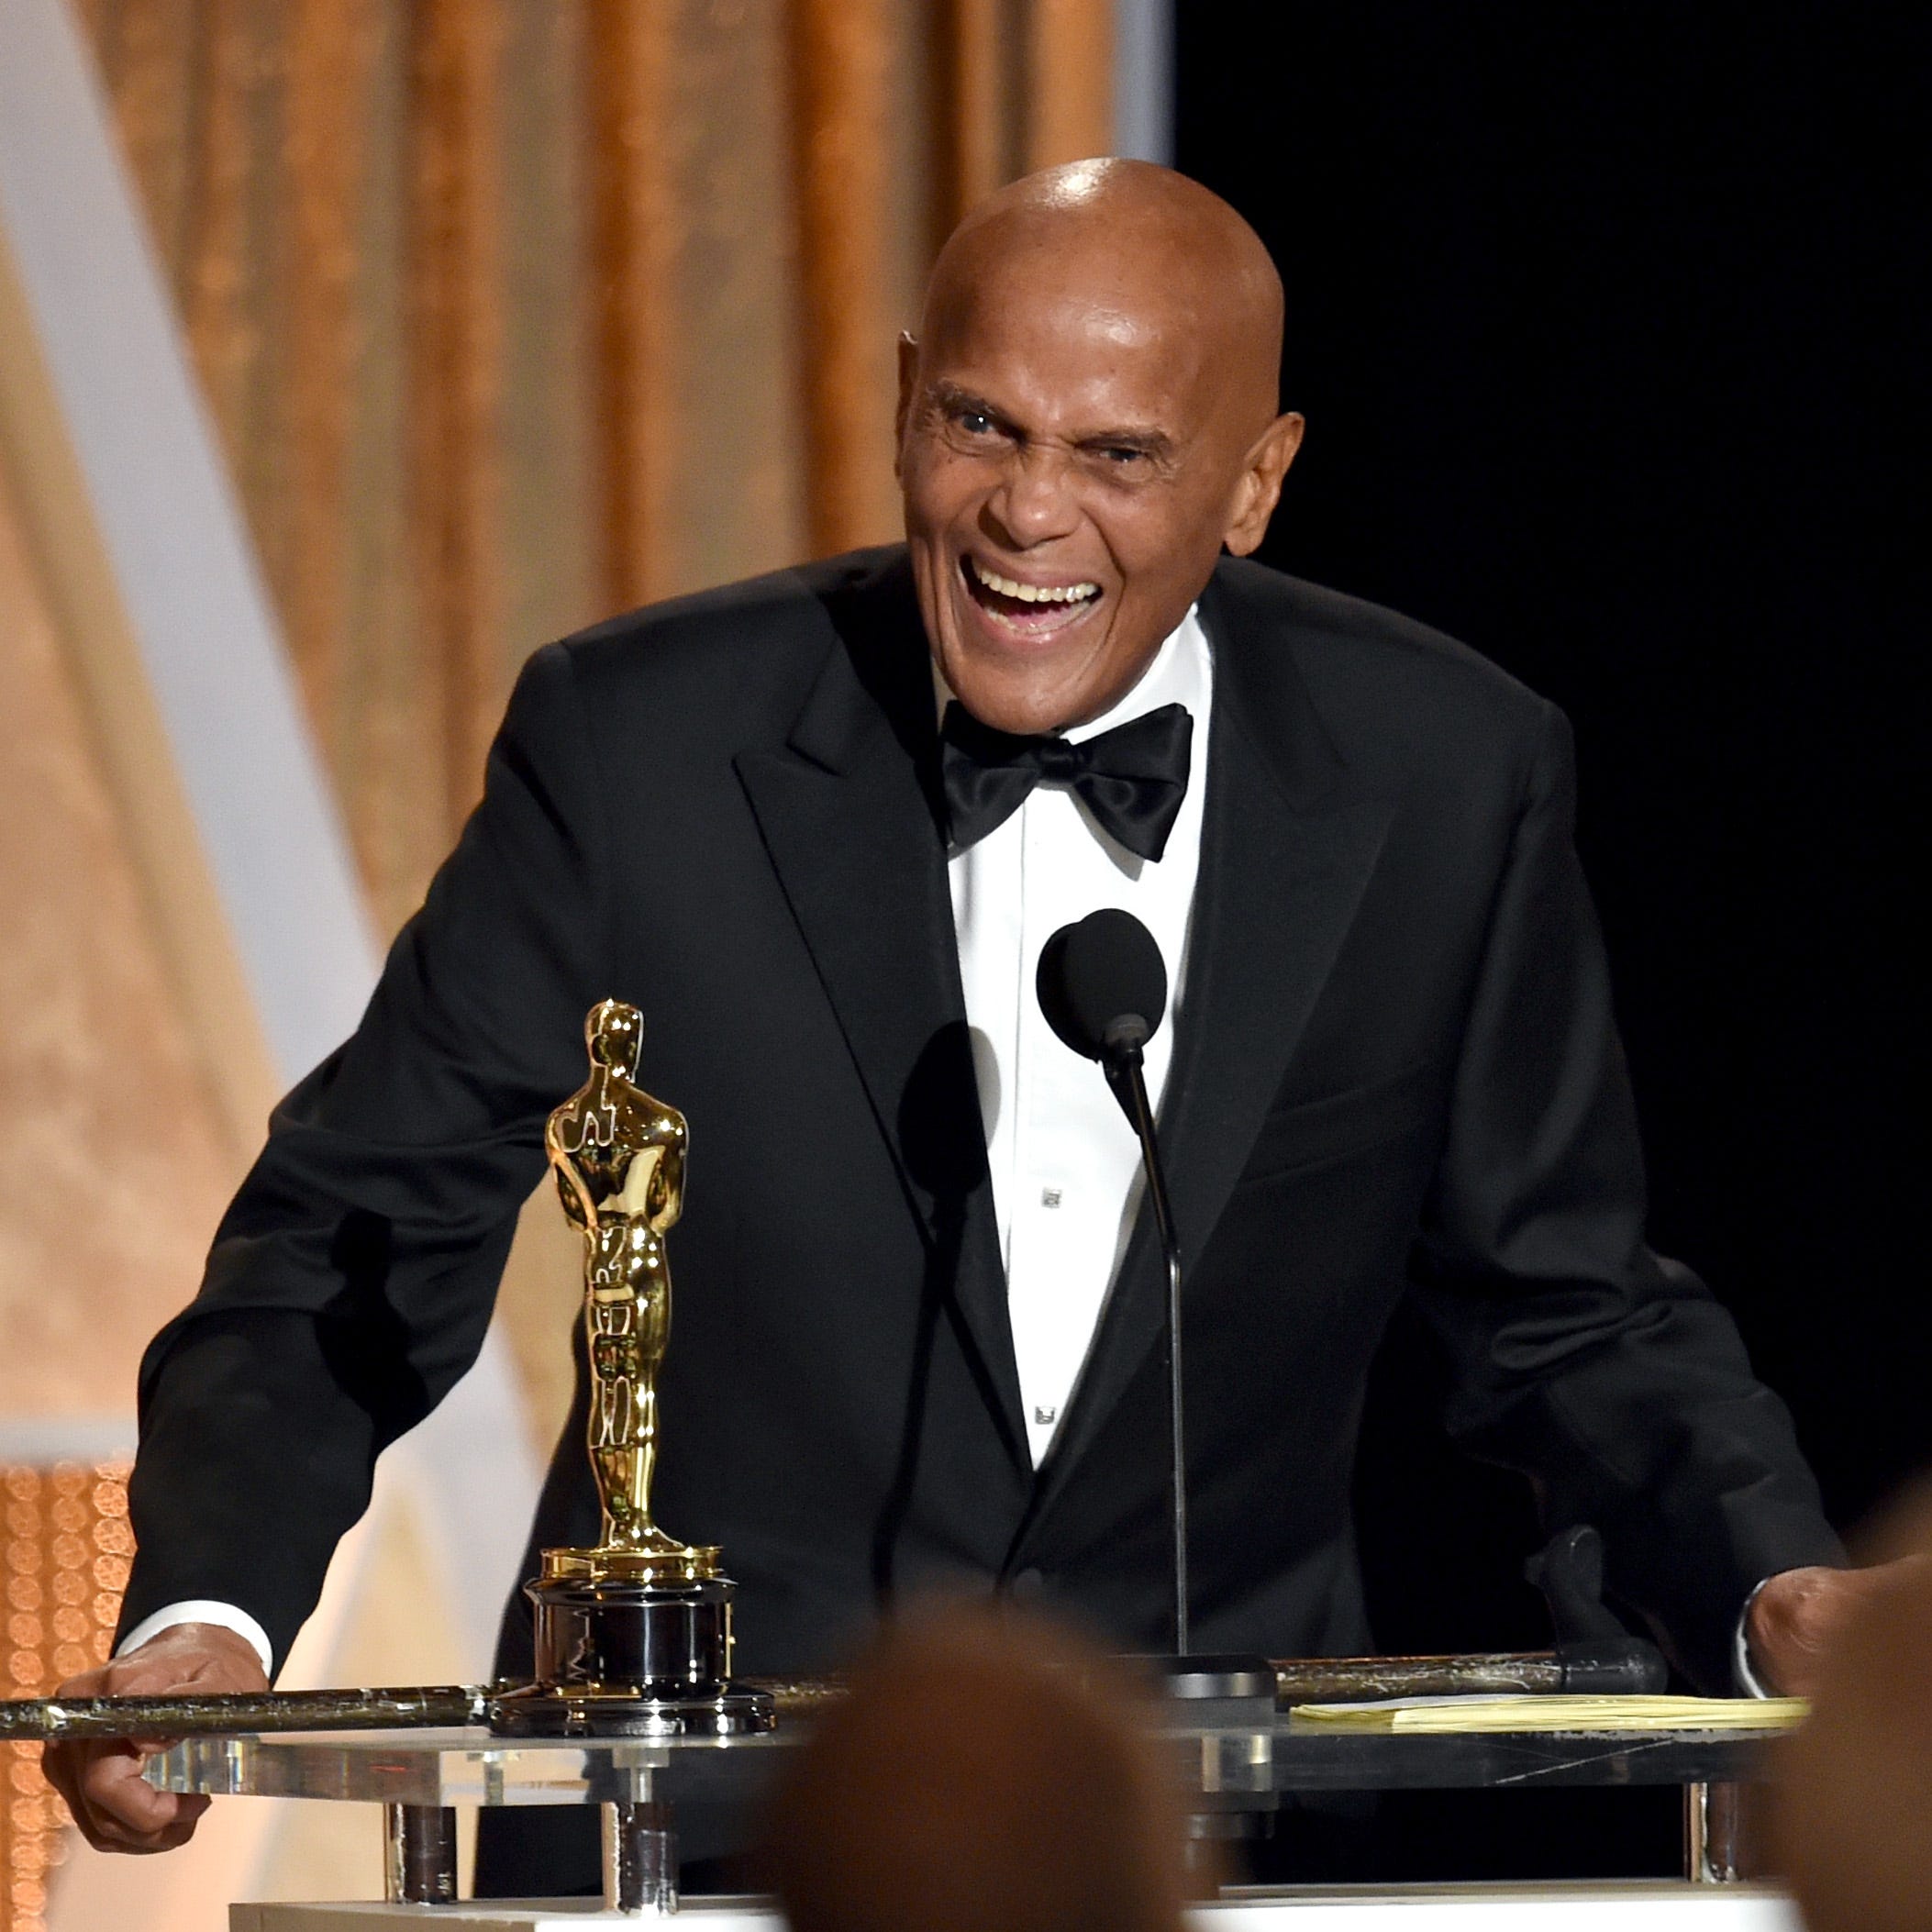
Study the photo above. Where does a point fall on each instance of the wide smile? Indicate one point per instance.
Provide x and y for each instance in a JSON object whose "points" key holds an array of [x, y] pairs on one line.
{"points": [[1027, 612]]}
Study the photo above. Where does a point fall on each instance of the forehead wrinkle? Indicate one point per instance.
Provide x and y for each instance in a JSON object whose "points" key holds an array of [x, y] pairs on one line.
{"points": [[1124, 297], [1005, 312]]}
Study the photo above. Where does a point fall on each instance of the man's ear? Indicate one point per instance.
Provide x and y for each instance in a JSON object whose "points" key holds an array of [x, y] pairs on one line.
{"points": [[908, 378], [1258, 488]]}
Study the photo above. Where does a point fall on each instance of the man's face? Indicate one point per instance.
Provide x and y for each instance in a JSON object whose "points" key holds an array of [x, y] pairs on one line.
{"points": [[1070, 478]]}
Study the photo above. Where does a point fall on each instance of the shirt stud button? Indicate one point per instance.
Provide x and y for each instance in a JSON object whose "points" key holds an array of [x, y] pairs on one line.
{"points": [[1050, 1197], [1044, 1414]]}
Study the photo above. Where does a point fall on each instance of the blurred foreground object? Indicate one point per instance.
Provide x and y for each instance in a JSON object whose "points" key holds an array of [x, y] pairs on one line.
{"points": [[1854, 1813], [986, 1774]]}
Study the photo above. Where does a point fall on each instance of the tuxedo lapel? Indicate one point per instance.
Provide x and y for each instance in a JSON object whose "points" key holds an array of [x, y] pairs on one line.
{"points": [[846, 814], [1285, 856]]}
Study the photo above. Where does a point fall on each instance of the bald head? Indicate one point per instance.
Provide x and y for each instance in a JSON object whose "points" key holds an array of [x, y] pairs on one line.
{"points": [[1088, 416], [1157, 249]]}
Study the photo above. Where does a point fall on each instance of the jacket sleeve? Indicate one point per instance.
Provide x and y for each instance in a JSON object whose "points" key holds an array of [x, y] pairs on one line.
{"points": [[351, 1279], [1606, 1372]]}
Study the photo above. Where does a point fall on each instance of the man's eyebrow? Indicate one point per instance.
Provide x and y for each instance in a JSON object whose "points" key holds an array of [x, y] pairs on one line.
{"points": [[956, 401], [1154, 443]]}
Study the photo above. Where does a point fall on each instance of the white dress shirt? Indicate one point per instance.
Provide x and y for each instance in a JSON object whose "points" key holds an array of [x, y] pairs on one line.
{"points": [[1066, 1166]]}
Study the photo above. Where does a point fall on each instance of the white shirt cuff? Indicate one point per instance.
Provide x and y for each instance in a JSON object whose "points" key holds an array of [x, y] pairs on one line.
{"points": [[202, 1610], [1748, 1683]]}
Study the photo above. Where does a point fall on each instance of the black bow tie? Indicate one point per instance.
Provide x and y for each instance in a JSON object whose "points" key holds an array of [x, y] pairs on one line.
{"points": [[1132, 779]]}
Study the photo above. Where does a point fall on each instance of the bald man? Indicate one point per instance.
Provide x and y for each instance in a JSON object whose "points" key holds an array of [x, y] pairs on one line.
{"points": [[818, 827]]}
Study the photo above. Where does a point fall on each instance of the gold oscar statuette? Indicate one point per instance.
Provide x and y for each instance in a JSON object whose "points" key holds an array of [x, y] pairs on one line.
{"points": [[633, 1637], [618, 1158]]}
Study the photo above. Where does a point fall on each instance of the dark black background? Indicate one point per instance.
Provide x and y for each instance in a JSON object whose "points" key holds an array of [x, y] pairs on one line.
{"points": [[1604, 325]]}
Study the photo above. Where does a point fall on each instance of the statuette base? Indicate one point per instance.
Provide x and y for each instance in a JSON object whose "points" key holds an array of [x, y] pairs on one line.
{"points": [[621, 1658]]}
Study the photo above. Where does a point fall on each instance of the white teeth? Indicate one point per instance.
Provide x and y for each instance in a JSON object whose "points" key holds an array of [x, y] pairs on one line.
{"points": [[1033, 593]]}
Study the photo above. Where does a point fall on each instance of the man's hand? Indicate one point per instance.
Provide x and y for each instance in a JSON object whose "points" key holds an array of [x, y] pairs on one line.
{"points": [[101, 1779], [1797, 1615]]}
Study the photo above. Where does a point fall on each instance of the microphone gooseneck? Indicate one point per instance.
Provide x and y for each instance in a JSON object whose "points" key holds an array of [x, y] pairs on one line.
{"points": [[1103, 988]]}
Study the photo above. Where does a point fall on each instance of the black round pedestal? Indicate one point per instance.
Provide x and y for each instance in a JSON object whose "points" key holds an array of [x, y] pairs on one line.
{"points": [[619, 1659]]}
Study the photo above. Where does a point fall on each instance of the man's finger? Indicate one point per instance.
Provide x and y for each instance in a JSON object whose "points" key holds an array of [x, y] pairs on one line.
{"points": [[64, 1765], [182, 1814], [115, 1809], [109, 1798]]}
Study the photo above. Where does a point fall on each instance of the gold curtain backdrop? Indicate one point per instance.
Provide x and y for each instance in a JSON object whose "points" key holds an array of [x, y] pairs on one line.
{"points": [[514, 313]]}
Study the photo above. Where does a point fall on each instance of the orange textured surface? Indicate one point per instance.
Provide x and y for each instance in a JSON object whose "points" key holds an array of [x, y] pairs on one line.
{"points": [[63, 1564]]}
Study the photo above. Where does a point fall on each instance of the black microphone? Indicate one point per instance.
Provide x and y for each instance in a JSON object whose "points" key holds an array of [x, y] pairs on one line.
{"points": [[1103, 987]]}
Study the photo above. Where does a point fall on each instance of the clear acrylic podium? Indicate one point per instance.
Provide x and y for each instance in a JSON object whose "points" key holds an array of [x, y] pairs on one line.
{"points": [[1236, 1773]]}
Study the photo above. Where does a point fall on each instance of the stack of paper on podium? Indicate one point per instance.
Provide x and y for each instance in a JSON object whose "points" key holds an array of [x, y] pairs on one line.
{"points": [[1557, 1714]]}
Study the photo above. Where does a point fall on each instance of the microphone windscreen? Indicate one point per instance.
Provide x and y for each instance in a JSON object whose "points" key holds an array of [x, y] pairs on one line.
{"points": [[1094, 975]]}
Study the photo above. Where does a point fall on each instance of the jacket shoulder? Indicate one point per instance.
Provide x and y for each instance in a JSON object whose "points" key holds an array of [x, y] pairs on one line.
{"points": [[740, 644], [1386, 687]]}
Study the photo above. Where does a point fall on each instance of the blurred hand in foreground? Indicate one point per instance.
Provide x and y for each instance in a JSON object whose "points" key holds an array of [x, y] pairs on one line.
{"points": [[1798, 1615], [1853, 1786], [101, 1779]]}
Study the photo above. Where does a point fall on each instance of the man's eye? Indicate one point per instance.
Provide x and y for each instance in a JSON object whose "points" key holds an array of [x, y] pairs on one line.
{"points": [[975, 421], [1122, 455]]}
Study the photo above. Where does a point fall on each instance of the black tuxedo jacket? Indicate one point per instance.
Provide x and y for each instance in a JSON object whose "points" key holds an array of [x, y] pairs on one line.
{"points": [[1397, 1072]]}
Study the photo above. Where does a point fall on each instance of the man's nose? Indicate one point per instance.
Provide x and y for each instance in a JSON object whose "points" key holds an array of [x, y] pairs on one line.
{"points": [[1036, 501]]}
